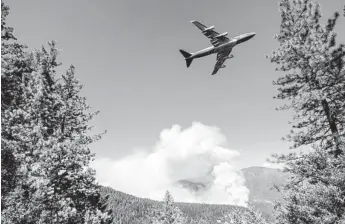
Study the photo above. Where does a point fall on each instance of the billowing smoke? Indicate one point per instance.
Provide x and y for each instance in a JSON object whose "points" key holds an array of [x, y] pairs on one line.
{"points": [[193, 164]]}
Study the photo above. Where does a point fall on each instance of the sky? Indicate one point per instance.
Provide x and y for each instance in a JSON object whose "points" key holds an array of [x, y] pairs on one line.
{"points": [[126, 56]]}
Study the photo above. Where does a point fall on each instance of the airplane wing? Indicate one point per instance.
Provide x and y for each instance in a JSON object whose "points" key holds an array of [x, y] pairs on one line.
{"points": [[221, 57], [211, 34]]}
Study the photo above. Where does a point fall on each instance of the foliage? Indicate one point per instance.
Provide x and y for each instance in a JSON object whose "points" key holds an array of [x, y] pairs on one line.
{"points": [[169, 213], [316, 194], [314, 84], [45, 156], [128, 209], [248, 217], [10, 65], [314, 79]]}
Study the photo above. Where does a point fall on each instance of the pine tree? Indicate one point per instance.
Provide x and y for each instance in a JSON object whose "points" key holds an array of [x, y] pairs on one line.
{"points": [[18, 115], [314, 77], [73, 195], [46, 176], [169, 213], [314, 84], [316, 194], [10, 86]]}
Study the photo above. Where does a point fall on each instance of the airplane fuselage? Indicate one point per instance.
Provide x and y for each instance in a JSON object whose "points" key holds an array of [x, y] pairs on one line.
{"points": [[213, 50], [226, 46]]}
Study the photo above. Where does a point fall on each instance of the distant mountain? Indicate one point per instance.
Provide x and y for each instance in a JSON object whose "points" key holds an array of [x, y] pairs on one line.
{"points": [[129, 209], [260, 181]]}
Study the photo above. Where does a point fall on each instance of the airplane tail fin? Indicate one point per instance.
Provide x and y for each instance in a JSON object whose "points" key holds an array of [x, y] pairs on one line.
{"points": [[187, 57]]}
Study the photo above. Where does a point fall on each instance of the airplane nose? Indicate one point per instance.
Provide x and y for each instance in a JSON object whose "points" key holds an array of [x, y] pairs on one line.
{"points": [[249, 36], [246, 37]]}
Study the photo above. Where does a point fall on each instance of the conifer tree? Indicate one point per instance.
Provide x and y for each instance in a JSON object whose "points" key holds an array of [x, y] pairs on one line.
{"points": [[314, 85], [314, 79], [71, 183], [317, 192], [46, 176], [169, 213], [18, 104]]}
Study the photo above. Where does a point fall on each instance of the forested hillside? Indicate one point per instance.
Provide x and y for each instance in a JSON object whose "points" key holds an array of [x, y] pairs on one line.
{"points": [[260, 181], [130, 209]]}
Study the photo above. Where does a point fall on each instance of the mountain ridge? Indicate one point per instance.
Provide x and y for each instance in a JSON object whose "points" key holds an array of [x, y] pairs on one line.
{"points": [[259, 180]]}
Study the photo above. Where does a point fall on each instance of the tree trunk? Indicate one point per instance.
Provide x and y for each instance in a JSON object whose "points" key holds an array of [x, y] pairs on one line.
{"points": [[333, 127]]}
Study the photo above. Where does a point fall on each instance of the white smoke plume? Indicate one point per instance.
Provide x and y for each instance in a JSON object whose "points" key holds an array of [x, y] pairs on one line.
{"points": [[193, 164]]}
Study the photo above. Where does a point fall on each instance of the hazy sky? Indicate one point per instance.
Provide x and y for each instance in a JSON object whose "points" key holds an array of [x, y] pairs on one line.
{"points": [[126, 54]]}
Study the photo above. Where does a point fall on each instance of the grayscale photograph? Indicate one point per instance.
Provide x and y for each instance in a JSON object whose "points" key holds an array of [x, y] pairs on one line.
{"points": [[173, 112]]}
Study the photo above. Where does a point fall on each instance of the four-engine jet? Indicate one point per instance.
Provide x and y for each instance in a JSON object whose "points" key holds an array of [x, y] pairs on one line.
{"points": [[221, 45]]}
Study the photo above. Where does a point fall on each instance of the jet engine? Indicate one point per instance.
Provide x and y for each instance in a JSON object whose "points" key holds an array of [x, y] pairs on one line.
{"points": [[228, 57], [223, 66], [221, 35], [207, 29]]}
